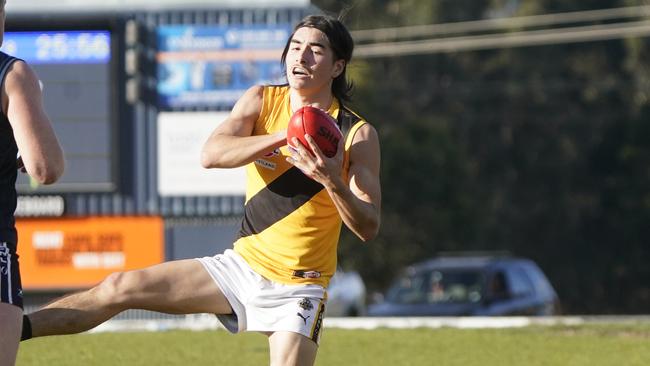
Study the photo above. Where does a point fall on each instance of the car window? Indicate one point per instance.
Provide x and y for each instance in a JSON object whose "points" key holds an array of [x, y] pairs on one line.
{"points": [[498, 287], [520, 284], [437, 286], [540, 281]]}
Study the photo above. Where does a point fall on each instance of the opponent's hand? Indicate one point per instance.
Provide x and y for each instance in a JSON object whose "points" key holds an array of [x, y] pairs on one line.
{"points": [[318, 167], [21, 165]]}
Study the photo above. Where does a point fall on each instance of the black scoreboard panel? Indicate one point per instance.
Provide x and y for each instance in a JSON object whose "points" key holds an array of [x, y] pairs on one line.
{"points": [[76, 98], [74, 67]]}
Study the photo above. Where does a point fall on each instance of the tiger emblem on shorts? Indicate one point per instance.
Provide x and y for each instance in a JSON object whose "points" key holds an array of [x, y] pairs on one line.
{"points": [[305, 304]]}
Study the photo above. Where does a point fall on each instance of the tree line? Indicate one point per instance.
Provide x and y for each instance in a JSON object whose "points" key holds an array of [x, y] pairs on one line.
{"points": [[542, 151]]}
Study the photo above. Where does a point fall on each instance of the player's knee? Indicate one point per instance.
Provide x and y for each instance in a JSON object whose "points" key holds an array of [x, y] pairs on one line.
{"points": [[116, 288]]}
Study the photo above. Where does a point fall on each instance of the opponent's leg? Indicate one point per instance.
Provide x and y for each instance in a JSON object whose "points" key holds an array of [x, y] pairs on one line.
{"points": [[10, 317], [177, 287], [289, 348]]}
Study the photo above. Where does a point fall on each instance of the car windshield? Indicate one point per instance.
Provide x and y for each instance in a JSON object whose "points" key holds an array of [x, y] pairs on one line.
{"points": [[437, 286]]}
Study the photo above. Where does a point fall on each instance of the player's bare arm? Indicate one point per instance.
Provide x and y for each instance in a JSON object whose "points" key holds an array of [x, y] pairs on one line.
{"points": [[22, 101], [358, 200], [231, 144]]}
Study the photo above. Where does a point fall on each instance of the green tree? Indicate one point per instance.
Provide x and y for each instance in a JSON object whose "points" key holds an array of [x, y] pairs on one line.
{"points": [[541, 151]]}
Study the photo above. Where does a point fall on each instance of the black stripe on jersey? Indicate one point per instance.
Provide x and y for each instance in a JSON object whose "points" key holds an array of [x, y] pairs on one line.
{"points": [[346, 119], [287, 192], [277, 200]]}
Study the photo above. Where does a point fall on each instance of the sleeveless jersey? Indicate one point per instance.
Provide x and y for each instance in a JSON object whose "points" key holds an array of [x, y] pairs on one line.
{"points": [[8, 167], [290, 230]]}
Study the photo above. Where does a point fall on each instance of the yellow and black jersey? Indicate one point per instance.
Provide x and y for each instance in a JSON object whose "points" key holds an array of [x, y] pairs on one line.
{"points": [[291, 227]]}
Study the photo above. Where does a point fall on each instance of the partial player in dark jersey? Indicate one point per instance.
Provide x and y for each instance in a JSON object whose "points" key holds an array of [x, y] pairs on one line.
{"points": [[27, 143]]}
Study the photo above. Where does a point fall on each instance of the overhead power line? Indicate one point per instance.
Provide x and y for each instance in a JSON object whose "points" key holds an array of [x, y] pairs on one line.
{"points": [[504, 40], [396, 33]]}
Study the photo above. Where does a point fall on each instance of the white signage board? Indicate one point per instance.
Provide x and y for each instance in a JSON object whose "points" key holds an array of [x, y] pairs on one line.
{"points": [[181, 136]]}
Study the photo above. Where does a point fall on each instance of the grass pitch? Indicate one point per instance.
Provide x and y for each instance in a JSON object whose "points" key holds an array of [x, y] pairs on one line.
{"points": [[615, 345]]}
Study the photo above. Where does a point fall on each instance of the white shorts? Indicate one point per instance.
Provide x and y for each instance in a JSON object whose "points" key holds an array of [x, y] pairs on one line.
{"points": [[262, 305]]}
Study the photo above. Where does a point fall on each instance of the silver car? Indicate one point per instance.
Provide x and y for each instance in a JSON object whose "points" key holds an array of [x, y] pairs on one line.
{"points": [[346, 295]]}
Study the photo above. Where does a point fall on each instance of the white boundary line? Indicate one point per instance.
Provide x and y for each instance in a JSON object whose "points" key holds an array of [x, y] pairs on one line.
{"points": [[200, 322], [449, 322]]}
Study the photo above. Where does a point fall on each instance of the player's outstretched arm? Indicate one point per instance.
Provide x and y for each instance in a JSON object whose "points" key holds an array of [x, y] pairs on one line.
{"points": [[22, 102], [231, 144]]}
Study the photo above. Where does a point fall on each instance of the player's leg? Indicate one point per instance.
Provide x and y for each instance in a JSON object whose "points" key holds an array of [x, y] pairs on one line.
{"points": [[292, 317], [177, 287], [289, 348], [10, 320]]}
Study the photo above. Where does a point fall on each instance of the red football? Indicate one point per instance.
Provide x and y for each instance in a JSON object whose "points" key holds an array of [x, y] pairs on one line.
{"points": [[319, 125]]}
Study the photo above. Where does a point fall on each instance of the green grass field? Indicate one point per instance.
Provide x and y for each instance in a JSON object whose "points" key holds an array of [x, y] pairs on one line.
{"points": [[617, 345]]}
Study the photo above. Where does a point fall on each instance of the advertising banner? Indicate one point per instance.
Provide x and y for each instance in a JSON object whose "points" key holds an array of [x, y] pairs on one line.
{"points": [[80, 252], [212, 66], [181, 136]]}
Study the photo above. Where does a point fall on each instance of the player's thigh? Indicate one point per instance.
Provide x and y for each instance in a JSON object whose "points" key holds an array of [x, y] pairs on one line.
{"points": [[11, 322], [181, 287], [289, 348]]}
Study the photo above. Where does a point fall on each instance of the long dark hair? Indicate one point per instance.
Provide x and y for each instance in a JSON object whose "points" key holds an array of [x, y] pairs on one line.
{"points": [[341, 43]]}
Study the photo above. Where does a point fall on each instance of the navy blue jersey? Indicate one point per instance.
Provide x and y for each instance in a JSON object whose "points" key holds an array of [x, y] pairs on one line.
{"points": [[8, 167]]}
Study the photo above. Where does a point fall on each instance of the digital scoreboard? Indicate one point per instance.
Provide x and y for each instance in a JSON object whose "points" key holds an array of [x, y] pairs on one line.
{"points": [[74, 68]]}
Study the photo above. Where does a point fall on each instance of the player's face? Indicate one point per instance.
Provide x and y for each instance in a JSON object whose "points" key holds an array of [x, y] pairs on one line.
{"points": [[310, 61]]}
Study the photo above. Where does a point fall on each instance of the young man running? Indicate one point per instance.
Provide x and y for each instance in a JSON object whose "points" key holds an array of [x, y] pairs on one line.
{"points": [[274, 279]]}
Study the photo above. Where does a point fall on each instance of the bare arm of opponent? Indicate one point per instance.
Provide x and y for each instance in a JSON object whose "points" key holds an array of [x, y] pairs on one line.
{"points": [[22, 102]]}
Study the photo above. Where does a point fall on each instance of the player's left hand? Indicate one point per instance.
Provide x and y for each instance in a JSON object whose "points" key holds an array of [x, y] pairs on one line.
{"points": [[317, 167]]}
